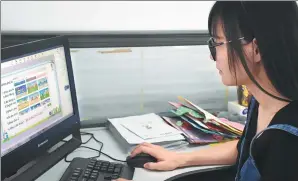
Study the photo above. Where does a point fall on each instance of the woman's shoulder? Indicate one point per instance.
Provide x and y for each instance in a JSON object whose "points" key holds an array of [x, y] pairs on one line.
{"points": [[288, 115], [282, 133], [277, 150], [284, 125], [279, 158]]}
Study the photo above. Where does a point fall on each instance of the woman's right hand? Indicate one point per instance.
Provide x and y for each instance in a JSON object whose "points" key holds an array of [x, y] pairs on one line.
{"points": [[166, 160]]}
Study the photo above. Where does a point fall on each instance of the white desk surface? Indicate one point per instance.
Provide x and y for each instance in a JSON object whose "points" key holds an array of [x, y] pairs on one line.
{"points": [[112, 148]]}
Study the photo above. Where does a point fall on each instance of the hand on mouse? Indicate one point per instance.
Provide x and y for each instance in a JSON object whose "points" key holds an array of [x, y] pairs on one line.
{"points": [[166, 160]]}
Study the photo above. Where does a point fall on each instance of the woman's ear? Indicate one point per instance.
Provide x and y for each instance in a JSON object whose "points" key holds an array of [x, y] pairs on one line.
{"points": [[256, 51]]}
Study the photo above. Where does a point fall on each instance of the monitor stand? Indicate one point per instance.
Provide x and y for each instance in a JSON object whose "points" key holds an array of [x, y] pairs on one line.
{"points": [[37, 167]]}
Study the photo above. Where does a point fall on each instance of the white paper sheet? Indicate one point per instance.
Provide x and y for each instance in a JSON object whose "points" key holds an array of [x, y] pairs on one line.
{"points": [[149, 126]]}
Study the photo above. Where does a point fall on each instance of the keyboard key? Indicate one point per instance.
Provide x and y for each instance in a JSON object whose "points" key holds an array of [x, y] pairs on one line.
{"points": [[118, 166], [78, 170], [93, 177], [90, 166], [95, 171], [94, 174], [74, 178], [117, 170], [115, 176], [75, 174], [110, 170], [93, 165], [108, 177], [86, 175], [111, 165], [103, 168], [96, 168], [88, 170], [105, 163], [93, 161]]}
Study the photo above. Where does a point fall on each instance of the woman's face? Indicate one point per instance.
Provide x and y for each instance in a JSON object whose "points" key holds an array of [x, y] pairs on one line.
{"points": [[222, 63]]}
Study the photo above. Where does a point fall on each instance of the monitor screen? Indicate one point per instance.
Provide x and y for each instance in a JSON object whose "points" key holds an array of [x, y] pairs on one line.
{"points": [[35, 96]]}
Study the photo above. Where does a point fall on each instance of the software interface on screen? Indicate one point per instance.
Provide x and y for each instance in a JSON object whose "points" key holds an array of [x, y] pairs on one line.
{"points": [[35, 96]]}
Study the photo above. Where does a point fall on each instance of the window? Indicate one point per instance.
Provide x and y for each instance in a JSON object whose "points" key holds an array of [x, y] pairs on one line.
{"points": [[115, 82]]}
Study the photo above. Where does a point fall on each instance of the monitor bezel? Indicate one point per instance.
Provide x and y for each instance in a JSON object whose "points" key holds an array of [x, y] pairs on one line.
{"points": [[14, 160]]}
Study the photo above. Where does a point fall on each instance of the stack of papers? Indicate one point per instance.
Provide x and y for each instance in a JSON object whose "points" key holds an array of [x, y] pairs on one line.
{"points": [[199, 126], [149, 128]]}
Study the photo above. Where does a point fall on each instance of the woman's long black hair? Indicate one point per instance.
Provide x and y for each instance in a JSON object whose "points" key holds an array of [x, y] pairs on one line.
{"points": [[274, 25]]}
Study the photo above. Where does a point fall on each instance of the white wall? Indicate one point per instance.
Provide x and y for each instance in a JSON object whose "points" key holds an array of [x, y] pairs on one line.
{"points": [[104, 15]]}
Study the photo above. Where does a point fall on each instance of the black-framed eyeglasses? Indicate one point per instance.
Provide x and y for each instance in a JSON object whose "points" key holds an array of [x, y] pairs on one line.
{"points": [[212, 45]]}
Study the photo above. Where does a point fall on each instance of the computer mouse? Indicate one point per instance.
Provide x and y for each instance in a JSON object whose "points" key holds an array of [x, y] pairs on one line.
{"points": [[139, 160]]}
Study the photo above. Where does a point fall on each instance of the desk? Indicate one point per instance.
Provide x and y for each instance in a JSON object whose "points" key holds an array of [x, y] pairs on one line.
{"points": [[112, 148]]}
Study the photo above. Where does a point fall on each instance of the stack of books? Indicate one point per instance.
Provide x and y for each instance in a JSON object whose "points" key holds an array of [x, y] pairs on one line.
{"points": [[199, 126]]}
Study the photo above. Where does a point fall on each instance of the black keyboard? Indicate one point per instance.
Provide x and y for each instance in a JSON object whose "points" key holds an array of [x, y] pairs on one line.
{"points": [[84, 169]]}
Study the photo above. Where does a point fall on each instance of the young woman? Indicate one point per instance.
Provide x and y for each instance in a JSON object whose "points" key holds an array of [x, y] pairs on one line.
{"points": [[253, 44]]}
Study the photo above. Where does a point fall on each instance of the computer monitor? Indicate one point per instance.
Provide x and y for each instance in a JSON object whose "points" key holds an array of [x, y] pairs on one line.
{"points": [[38, 106]]}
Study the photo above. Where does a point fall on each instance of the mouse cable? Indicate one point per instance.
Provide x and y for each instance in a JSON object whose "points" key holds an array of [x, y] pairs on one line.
{"points": [[99, 151]]}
